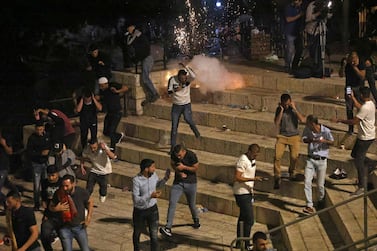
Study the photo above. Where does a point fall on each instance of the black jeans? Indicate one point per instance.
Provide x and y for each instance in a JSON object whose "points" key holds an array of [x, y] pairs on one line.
{"points": [[369, 75], [139, 218], [359, 151], [110, 125], [246, 214], [47, 228], [86, 126], [350, 105], [97, 178]]}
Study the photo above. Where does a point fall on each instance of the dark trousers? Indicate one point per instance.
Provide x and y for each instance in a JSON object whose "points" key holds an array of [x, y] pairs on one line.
{"points": [[85, 127], [69, 139], [139, 218], [350, 105], [110, 125], [97, 178], [47, 228], [246, 214], [359, 151], [369, 75]]}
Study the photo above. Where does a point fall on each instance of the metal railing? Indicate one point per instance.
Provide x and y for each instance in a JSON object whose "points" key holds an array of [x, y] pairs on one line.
{"points": [[366, 240]]}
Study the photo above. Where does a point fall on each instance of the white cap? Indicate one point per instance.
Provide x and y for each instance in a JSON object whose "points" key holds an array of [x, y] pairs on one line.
{"points": [[102, 80]]}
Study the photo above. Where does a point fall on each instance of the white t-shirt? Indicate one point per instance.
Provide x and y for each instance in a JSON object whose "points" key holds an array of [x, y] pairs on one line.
{"points": [[366, 114], [181, 97], [247, 168]]}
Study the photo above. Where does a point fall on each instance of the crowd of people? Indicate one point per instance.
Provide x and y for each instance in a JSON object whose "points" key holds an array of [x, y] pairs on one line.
{"points": [[68, 208]]}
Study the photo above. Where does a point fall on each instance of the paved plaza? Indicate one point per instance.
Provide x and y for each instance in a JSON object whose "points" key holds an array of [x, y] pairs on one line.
{"points": [[111, 226]]}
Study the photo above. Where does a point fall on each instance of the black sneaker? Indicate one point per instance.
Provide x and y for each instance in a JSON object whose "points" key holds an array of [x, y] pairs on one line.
{"points": [[196, 224], [165, 231]]}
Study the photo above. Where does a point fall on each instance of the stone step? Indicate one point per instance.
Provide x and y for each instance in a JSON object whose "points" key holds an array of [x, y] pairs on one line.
{"points": [[349, 218], [229, 143], [252, 77], [217, 168], [269, 209], [249, 121]]}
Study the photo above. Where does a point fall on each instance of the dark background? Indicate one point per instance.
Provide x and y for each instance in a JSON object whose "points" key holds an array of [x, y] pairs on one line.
{"points": [[32, 73]]}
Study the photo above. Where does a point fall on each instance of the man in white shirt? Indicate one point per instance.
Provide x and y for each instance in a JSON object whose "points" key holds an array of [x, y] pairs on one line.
{"points": [[243, 190], [179, 90], [99, 155], [365, 118]]}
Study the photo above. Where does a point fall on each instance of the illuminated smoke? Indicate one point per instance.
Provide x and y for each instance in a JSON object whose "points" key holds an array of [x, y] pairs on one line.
{"points": [[213, 76]]}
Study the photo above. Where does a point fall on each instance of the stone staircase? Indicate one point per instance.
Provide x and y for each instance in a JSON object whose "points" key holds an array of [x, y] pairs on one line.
{"points": [[247, 114]]}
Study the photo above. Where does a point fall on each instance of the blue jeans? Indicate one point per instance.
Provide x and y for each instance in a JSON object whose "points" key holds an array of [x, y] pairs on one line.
{"points": [[319, 167], [39, 174], [150, 216], [175, 193], [244, 202], [359, 151], [289, 50], [147, 65], [176, 112], [67, 234]]}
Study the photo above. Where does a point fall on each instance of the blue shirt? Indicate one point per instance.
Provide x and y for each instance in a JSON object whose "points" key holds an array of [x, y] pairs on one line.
{"points": [[143, 187], [316, 148], [292, 28]]}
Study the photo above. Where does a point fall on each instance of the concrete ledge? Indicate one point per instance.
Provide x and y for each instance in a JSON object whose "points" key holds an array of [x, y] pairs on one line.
{"points": [[349, 218], [227, 143]]}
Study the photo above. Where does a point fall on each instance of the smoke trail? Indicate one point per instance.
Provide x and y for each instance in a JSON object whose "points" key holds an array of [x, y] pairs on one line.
{"points": [[213, 76]]}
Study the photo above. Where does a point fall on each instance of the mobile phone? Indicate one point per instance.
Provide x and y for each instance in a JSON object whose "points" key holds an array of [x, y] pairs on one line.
{"points": [[348, 90]]}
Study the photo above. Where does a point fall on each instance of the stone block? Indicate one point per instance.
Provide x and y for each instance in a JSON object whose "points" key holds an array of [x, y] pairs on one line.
{"points": [[134, 106], [218, 120], [200, 118], [221, 98], [270, 103], [131, 79], [253, 80], [266, 215], [129, 155], [235, 209], [265, 128], [271, 82], [239, 99], [254, 101], [244, 125], [147, 133], [137, 92], [304, 107], [216, 174], [220, 205], [324, 111]]}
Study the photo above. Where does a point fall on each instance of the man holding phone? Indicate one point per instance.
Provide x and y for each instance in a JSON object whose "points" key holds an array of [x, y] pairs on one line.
{"points": [[355, 75], [144, 196], [366, 135]]}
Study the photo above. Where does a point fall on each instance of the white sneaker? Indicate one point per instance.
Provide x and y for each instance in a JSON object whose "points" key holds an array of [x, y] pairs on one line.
{"points": [[102, 199], [121, 137], [54, 240]]}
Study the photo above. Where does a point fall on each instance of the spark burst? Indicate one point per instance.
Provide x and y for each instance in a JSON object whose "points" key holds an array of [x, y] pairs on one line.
{"points": [[189, 33]]}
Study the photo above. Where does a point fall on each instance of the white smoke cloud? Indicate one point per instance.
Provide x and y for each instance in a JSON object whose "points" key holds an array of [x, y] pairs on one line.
{"points": [[213, 76]]}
